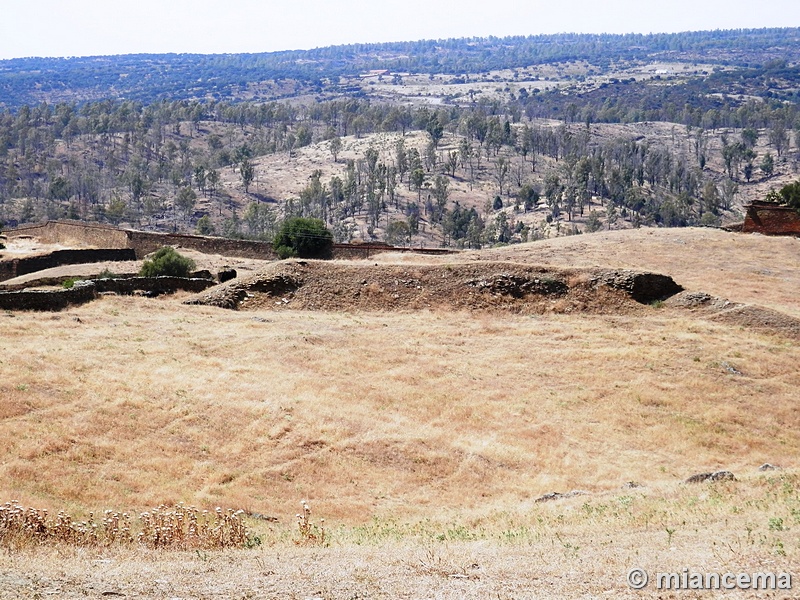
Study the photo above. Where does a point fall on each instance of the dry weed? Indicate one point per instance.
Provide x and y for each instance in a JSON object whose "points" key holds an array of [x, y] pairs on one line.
{"points": [[178, 527]]}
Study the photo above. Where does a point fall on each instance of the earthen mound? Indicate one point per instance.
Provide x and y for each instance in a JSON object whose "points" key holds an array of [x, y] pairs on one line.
{"points": [[319, 285], [751, 316]]}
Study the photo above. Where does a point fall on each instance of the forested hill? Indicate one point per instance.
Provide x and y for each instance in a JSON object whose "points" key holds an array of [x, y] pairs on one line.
{"points": [[149, 77]]}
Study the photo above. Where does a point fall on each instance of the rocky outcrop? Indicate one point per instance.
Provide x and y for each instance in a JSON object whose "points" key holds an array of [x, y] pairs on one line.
{"points": [[714, 476], [642, 287]]}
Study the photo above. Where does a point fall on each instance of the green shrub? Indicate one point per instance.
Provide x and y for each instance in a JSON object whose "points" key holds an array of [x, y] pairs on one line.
{"points": [[106, 274], [68, 284], [167, 261], [306, 238], [205, 226]]}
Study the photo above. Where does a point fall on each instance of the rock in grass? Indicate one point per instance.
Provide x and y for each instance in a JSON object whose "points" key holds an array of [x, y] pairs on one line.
{"points": [[715, 476]]}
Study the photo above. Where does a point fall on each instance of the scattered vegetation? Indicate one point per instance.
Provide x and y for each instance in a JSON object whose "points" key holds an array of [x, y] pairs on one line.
{"points": [[177, 527], [535, 147], [309, 532], [788, 195], [154, 77], [167, 262]]}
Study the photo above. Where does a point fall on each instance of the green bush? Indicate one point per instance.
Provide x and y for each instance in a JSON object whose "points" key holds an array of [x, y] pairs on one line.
{"points": [[167, 261], [306, 238]]}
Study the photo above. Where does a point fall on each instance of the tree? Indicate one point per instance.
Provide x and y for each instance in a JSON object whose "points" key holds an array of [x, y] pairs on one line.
{"points": [[451, 164], [306, 238], [185, 200], [748, 171], [749, 137], [441, 193], [167, 262], [435, 130], [767, 165], [778, 136], [418, 178], [247, 172], [593, 222], [501, 171], [398, 232], [401, 158], [60, 189], [201, 178], [335, 146], [790, 195], [529, 197], [260, 221], [116, 210], [205, 226]]}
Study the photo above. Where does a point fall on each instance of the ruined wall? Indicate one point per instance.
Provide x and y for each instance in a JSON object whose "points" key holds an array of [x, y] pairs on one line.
{"points": [[161, 285], [8, 269], [362, 251], [80, 293], [770, 219], [32, 264], [145, 242], [72, 233], [86, 291]]}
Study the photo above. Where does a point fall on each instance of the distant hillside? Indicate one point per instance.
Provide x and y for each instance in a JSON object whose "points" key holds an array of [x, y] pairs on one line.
{"points": [[147, 78]]}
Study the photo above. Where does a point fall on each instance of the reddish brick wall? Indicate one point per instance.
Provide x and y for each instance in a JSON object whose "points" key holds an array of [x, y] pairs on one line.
{"points": [[771, 219]]}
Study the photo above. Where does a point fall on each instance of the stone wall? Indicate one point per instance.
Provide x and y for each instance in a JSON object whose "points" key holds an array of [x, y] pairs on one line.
{"points": [[86, 291], [72, 233], [771, 219], [362, 251], [158, 285], [8, 269], [80, 293], [32, 264], [145, 242]]}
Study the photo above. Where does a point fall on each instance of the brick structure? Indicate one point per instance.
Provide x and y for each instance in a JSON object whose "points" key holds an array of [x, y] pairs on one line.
{"points": [[769, 218]]}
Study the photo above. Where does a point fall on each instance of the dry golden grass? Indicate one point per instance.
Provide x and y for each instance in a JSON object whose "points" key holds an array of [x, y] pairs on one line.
{"points": [[581, 547], [423, 438], [143, 403]]}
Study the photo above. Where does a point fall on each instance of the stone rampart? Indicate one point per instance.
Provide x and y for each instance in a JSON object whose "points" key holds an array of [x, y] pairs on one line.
{"points": [[52, 300]]}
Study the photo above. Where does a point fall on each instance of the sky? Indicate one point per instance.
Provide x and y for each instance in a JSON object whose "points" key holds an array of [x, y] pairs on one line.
{"points": [[103, 27]]}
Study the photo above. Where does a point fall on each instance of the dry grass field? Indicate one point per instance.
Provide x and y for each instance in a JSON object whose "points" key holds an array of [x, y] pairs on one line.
{"points": [[423, 437]]}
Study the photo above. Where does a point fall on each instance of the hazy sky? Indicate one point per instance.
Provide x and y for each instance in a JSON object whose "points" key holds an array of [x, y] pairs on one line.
{"points": [[92, 27]]}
